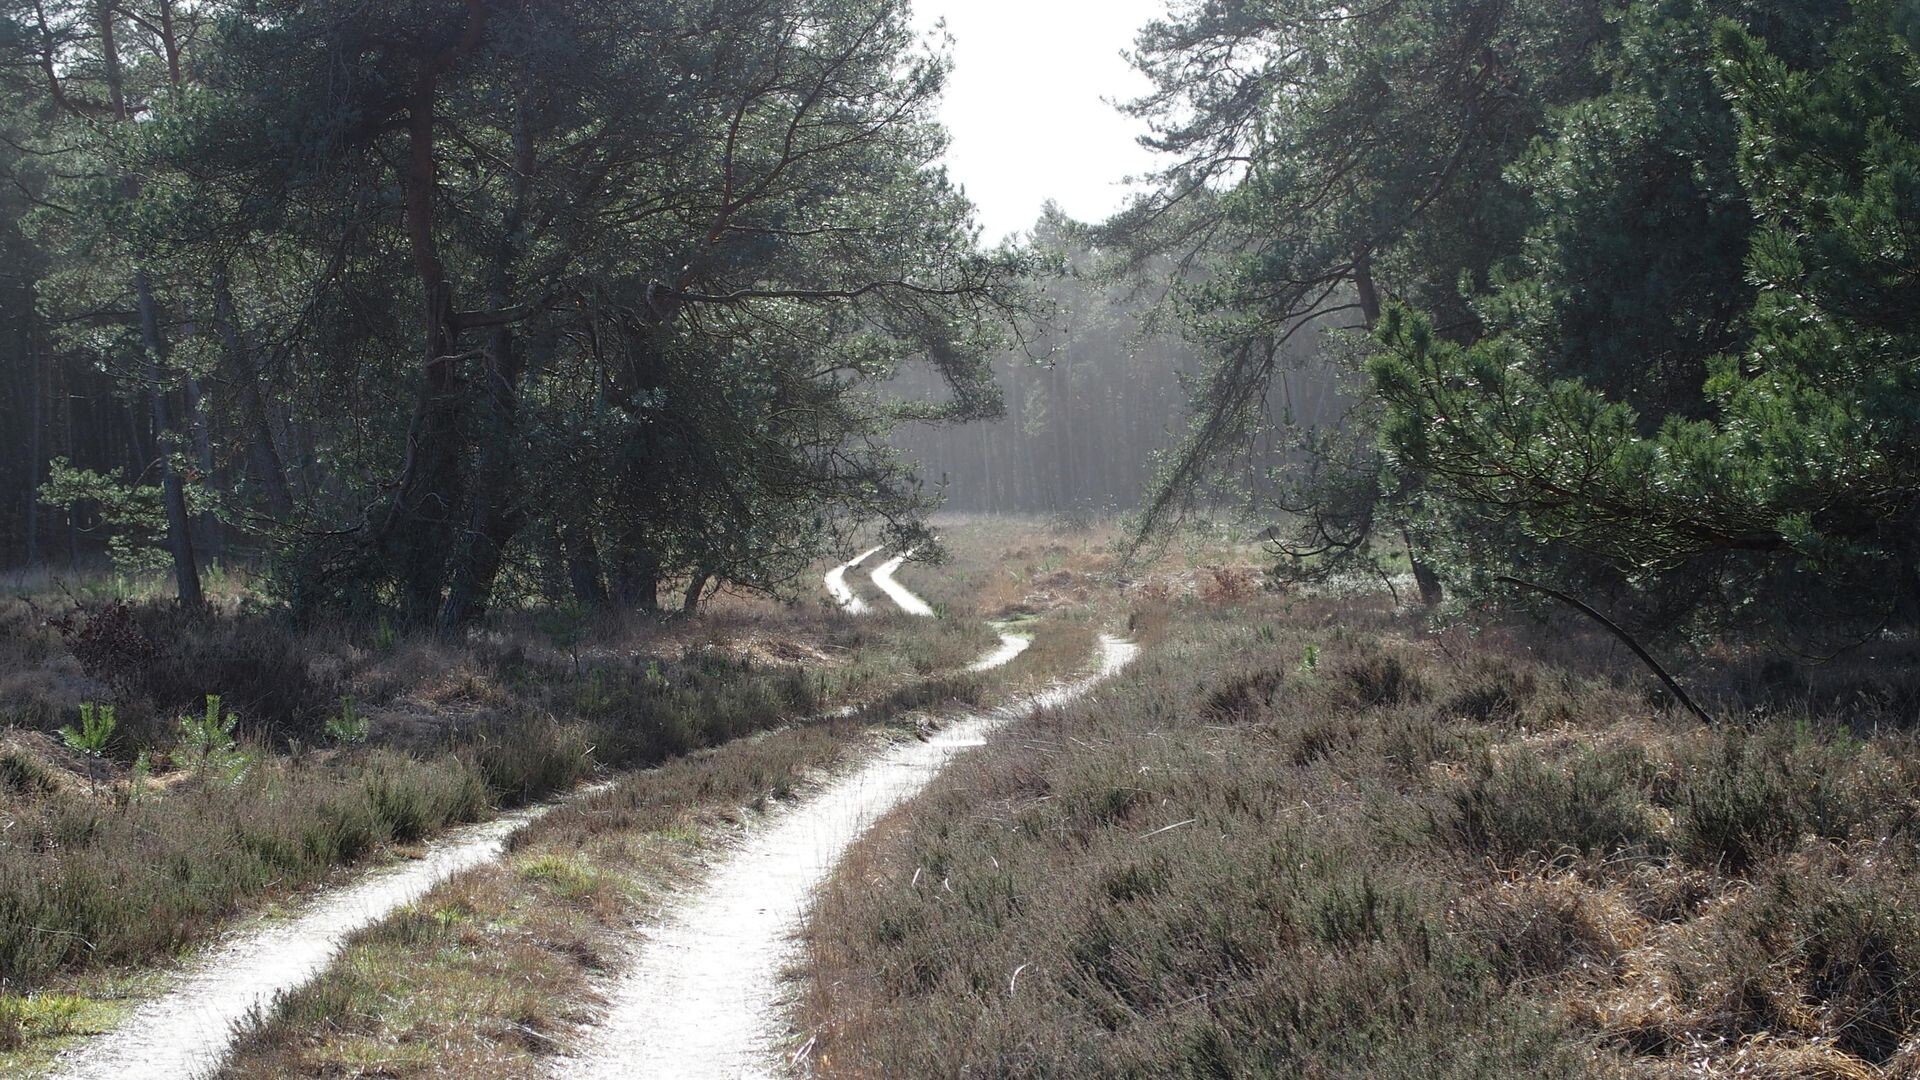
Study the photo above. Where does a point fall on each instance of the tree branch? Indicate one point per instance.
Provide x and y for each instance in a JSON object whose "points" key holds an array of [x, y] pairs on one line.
{"points": [[1626, 638]]}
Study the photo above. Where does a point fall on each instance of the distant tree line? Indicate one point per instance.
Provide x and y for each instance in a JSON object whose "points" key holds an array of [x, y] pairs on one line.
{"points": [[432, 303], [1095, 395]]}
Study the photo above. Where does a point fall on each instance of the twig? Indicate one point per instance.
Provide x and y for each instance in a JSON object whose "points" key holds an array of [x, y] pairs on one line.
{"points": [[1169, 828], [800, 1056]]}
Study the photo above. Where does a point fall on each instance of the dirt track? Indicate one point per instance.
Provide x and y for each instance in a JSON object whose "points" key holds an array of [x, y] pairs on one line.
{"points": [[843, 593], [704, 998], [715, 964], [187, 1031], [901, 596]]}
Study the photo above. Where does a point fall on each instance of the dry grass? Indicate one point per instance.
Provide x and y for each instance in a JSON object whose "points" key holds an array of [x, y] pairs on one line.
{"points": [[1302, 836], [106, 866], [492, 973], [520, 709], [1305, 838]]}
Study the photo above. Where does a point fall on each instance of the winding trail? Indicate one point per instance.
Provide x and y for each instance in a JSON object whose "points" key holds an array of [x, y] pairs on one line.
{"points": [[843, 593], [1011, 645], [898, 593], [187, 1031], [722, 951], [704, 998]]}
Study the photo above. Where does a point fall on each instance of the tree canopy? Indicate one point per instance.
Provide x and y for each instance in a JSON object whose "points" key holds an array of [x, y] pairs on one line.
{"points": [[1798, 480], [1625, 290], [432, 299]]}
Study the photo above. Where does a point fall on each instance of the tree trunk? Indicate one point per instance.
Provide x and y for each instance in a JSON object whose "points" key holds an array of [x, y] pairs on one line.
{"points": [[1363, 283], [264, 464], [418, 531], [186, 571], [583, 567], [690, 603], [497, 513], [1432, 592], [36, 422], [636, 580]]}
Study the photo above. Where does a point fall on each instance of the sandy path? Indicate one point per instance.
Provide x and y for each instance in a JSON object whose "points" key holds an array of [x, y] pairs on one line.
{"points": [[187, 1031], [838, 588], [704, 999], [1011, 645], [898, 593]]}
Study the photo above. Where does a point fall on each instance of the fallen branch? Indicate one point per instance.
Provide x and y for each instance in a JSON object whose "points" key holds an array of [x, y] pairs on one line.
{"points": [[1645, 656]]}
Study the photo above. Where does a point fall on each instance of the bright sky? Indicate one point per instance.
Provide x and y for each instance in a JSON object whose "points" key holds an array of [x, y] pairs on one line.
{"points": [[1027, 104]]}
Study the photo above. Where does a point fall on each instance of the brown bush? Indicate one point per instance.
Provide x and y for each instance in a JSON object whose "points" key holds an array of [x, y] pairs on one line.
{"points": [[110, 645], [254, 662], [1380, 677], [1226, 585], [1245, 695]]}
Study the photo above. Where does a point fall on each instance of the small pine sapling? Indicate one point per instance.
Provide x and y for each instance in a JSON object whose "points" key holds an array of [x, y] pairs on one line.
{"points": [[209, 743], [350, 727], [97, 724]]}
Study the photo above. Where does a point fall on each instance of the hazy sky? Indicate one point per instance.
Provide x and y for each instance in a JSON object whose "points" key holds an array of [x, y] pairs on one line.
{"points": [[1025, 104]]}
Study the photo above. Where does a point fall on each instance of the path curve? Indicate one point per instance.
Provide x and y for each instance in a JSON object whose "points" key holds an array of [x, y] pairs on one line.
{"points": [[187, 1031], [838, 588], [1011, 645], [704, 997], [901, 596]]}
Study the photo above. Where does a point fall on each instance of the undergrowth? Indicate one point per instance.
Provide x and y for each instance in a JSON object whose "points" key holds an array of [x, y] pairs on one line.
{"points": [[1307, 838], [227, 756]]}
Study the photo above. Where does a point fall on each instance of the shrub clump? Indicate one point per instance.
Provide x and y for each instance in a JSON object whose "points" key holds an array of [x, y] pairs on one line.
{"points": [[171, 659], [1521, 807], [82, 880], [1380, 678]]}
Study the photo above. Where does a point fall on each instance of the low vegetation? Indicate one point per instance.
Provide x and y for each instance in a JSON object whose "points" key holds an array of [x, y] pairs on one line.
{"points": [[1305, 837], [248, 798], [499, 968], [489, 974], [463, 393], [135, 820]]}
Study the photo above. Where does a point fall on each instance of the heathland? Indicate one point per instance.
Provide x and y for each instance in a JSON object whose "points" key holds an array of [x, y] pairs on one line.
{"points": [[1306, 832]]}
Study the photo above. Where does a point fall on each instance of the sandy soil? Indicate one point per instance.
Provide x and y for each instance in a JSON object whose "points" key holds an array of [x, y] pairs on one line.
{"points": [[704, 998], [714, 965], [838, 588], [187, 1031], [1011, 645], [898, 593]]}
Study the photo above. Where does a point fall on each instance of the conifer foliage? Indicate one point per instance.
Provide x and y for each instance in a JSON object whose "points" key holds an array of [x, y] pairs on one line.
{"points": [[438, 301], [1802, 474]]}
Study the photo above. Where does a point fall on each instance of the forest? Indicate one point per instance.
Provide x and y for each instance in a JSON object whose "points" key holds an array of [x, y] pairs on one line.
{"points": [[380, 327], [541, 538]]}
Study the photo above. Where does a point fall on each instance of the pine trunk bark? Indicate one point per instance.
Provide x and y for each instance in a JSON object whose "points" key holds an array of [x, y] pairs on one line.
{"points": [[264, 462], [186, 571], [495, 514], [36, 422], [1432, 592], [690, 602], [497, 511], [418, 530], [636, 580], [583, 567]]}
